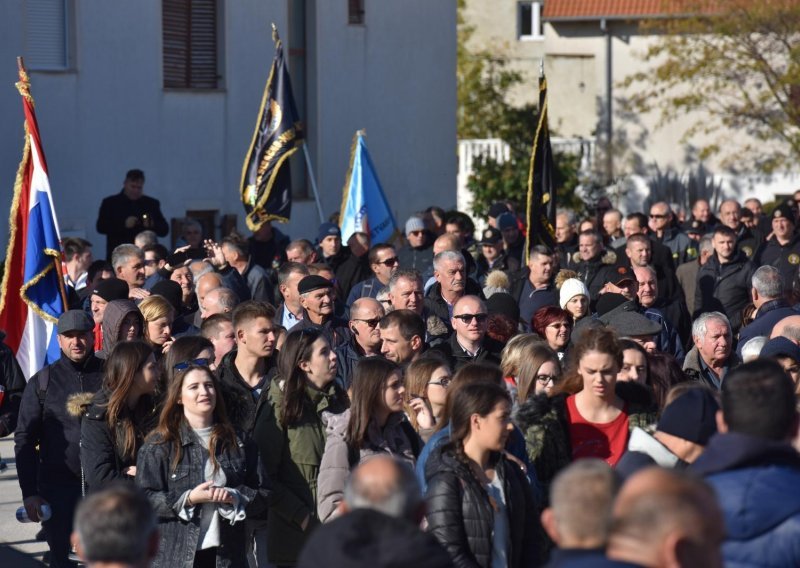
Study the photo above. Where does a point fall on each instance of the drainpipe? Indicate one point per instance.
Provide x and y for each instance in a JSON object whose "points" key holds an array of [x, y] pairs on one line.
{"points": [[606, 29]]}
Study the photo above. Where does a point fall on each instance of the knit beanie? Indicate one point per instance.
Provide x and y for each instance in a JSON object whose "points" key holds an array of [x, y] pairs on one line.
{"points": [[571, 288], [691, 416], [414, 224]]}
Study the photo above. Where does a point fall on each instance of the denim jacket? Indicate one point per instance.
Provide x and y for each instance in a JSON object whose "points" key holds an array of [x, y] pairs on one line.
{"points": [[165, 487]]}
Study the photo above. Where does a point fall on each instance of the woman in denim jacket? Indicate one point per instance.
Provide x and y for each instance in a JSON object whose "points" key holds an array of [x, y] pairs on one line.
{"points": [[202, 479]]}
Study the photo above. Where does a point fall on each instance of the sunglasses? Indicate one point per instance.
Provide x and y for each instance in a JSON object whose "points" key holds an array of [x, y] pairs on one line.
{"points": [[150, 262], [654, 216], [183, 365], [370, 322], [415, 233], [467, 318], [389, 261]]}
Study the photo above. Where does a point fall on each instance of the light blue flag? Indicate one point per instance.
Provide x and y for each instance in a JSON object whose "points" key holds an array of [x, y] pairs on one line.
{"points": [[364, 206]]}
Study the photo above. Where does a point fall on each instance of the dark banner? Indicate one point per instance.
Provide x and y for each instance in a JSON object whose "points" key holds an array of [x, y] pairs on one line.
{"points": [[266, 187]]}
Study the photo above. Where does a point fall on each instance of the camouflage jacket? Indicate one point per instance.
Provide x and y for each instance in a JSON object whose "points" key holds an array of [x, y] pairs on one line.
{"points": [[544, 422]]}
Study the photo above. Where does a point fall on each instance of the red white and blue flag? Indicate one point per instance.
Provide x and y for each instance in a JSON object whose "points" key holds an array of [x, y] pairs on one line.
{"points": [[32, 293]]}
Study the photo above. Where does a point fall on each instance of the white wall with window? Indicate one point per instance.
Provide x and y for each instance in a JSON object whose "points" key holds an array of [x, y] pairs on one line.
{"points": [[529, 21], [115, 89]]}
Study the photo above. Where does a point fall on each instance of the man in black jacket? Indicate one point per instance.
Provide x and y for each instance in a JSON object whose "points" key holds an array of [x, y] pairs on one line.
{"points": [[316, 297], [451, 284], [469, 343], [13, 382], [47, 439], [124, 215], [365, 316], [724, 282], [244, 377]]}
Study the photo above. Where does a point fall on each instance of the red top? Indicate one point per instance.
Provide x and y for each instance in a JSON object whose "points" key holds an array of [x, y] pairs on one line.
{"points": [[592, 440]]}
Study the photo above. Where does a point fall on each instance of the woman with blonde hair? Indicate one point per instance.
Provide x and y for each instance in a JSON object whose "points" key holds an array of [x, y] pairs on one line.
{"points": [[427, 380], [539, 372], [512, 356], [158, 315]]}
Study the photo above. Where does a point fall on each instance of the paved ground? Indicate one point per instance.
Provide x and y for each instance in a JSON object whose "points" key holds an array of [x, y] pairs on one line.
{"points": [[18, 548]]}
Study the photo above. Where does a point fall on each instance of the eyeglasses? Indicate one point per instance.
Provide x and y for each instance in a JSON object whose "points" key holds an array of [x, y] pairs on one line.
{"points": [[655, 216], [370, 322], [467, 318], [389, 261], [545, 379], [183, 365], [443, 382]]}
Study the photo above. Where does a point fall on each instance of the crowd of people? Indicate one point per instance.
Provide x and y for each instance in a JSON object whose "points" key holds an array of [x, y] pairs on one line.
{"points": [[625, 398]]}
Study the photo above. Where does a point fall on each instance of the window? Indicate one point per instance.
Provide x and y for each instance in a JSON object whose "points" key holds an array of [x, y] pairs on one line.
{"points": [[190, 29], [530, 21], [355, 11], [48, 35]]}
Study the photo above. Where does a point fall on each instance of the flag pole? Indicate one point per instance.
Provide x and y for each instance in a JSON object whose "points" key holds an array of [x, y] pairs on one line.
{"points": [[313, 182]]}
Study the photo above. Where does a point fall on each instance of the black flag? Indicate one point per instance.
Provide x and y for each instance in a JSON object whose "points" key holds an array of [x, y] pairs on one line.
{"points": [[541, 212], [266, 187]]}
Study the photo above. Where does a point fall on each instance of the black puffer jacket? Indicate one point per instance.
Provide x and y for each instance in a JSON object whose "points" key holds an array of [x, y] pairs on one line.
{"points": [[101, 448], [461, 517]]}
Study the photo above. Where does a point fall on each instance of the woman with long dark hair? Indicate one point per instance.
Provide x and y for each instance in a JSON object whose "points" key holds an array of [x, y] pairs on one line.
{"points": [[290, 433], [201, 477], [480, 506], [589, 413], [120, 415], [375, 423]]}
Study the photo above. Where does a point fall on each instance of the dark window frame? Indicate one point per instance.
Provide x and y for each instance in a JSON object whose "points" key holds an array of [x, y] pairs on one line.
{"points": [[191, 41]]}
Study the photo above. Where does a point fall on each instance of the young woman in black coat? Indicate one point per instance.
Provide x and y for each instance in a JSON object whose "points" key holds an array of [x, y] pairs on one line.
{"points": [[480, 505], [120, 415]]}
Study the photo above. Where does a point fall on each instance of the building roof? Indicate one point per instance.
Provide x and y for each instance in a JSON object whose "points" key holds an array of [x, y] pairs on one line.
{"points": [[576, 10]]}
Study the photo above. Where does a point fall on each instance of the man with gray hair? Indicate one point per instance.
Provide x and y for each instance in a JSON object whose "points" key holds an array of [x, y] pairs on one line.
{"points": [[450, 271], [771, 306], [219, 301], [578, 519], [711, 357], [378, 525], [128, 263], [116, 528]]}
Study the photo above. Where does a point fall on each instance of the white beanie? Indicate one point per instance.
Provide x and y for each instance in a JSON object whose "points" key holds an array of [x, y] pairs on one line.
{"points": [[570, 288]]}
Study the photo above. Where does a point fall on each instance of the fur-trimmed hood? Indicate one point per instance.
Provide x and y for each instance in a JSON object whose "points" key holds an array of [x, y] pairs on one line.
{"points": [[606, 257], [638, 397], [78, 403]]}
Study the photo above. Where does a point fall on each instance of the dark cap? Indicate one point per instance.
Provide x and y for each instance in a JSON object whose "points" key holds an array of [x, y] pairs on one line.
{"points": [[74, 320], [784, 211], [505, 304], [610, 301], [620, 273], [111, 289], [491, 236], [313, 282], [328, 230], [177, 260], [691, 416], [632, 324], [506, 221], [781, 347], [497, 209], [694, 226], [171, 291]]}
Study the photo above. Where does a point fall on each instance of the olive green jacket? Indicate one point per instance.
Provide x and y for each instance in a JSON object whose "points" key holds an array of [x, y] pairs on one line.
{"points": [[291, 459]]}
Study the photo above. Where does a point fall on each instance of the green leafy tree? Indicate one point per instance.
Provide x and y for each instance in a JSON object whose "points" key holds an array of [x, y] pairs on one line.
{"points": [[484, 112], [736, 62]]}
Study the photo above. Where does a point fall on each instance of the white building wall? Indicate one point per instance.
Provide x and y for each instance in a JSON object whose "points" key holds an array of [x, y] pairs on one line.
{"points": [[395, 76]]}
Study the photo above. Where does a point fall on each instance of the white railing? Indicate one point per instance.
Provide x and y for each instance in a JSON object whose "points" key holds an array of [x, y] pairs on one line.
{"points": [[469, 150]]}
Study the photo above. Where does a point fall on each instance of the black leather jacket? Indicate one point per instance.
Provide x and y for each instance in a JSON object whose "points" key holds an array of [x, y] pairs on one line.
{"points": [[461, 517]]}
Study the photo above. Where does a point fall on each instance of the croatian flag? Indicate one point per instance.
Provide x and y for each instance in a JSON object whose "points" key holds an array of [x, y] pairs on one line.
{"points": [[32, 291], [364, 206]]}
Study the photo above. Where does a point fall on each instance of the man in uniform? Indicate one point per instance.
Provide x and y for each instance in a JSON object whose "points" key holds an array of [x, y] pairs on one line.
{"points": [[783, 250]]}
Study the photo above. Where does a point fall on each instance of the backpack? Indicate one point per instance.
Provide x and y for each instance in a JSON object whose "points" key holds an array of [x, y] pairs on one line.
{"points": [[42, 382]]}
